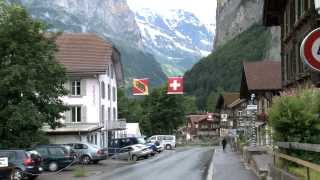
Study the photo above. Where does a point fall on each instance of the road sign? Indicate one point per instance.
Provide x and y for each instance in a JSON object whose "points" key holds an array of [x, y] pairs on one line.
{"points": [[252, 107], [310, 50], [3, 162]]}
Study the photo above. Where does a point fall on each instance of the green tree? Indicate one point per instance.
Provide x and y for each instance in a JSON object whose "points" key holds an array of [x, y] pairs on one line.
{"points": [[129, 108], [31, 79], [162, 113]]}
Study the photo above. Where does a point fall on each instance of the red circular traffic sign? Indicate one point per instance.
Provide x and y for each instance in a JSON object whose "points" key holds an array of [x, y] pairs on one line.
{"points": [[310, 50]]}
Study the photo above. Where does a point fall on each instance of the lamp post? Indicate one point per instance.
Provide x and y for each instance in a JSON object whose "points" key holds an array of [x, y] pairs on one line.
{"points": [[317, 5]]}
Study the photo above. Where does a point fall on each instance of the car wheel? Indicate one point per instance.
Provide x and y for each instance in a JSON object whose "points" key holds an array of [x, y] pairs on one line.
{"points": [[53, 166], [95, 162], [85, 159], [134, 158], [33, 177], [17, 174], [168, 146]]}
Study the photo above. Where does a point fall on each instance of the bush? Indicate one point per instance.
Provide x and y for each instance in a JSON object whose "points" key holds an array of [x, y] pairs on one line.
{"points": [[296, 118]]}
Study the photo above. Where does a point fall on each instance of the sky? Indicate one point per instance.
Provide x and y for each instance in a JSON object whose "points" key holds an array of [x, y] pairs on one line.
{"points": [[205, 10]]}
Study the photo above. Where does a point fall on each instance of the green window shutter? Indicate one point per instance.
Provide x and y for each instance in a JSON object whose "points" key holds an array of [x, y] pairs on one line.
{"points": [[67, 116], [83, 114], [83, 87], [67, 85]]}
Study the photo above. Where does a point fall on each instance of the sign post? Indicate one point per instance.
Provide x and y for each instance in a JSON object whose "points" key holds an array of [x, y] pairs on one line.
{"points": [[310, 50]]}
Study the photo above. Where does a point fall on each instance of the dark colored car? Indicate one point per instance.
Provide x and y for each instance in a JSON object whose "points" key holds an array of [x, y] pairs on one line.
{"points": [[54, 157], [27, 164], [116, 144]]}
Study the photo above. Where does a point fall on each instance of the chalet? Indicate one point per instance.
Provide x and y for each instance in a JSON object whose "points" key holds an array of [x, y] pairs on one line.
{"points": [[205, 125], [263, 80], [229, 106], [296, 18], [94, 72]]}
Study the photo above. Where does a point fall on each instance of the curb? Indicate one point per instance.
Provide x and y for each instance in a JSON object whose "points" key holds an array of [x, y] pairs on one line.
{"points": [[210, 169]]}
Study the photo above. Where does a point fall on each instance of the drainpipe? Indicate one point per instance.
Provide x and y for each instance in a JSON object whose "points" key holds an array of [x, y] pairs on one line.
{"points": [[99, 102]]}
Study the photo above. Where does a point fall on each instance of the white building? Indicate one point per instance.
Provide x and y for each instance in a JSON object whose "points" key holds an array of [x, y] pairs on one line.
{"points": [[94, 71]]}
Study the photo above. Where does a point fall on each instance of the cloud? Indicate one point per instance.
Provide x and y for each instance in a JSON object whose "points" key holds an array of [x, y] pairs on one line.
{"points": [[205, 10]]}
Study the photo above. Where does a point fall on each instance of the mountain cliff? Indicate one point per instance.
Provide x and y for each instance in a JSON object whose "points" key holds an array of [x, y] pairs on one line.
{"points": [[111, 19], [177, 38], [235, 16]]}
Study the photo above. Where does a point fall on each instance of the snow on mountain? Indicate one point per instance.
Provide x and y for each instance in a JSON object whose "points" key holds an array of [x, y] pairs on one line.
{"points": [[177, 37]]}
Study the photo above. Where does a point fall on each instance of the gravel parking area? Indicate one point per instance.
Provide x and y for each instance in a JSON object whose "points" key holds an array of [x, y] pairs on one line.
{"points": [[104, 167]]}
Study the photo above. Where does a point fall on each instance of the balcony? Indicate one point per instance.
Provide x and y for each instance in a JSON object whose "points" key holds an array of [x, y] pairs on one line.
{"points": [[118, 125], [72, 128]]}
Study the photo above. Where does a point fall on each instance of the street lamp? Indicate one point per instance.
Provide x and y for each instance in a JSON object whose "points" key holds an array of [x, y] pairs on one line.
{"points": [[317, 5]]}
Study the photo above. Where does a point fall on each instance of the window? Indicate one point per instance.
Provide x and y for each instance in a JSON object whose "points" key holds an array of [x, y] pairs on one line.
{"points": [[102, 114], [109, 92], [76, 114], [76, 88], [239, 113], [56, 151], [114, 114], [113, 94], [103, 90]]}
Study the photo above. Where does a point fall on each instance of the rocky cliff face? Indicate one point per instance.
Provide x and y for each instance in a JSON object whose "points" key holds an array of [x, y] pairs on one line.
{"points": [[235, 16], [110, 18]]}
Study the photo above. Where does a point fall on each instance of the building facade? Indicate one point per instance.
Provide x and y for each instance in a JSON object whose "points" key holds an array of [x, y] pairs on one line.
{"points": [[261, 82], [202, 126], [94, 72], [297, 18]]}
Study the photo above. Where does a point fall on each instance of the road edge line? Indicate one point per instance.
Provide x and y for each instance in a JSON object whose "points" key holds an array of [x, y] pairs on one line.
{"points": [[210, 170]]}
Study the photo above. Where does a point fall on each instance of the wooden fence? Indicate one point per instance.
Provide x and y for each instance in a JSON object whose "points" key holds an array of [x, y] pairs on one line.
{"points": [[299, 146]]}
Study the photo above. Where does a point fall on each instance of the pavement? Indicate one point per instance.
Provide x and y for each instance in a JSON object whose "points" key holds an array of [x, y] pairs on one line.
{"points": [[229, 166], [179, 164]]}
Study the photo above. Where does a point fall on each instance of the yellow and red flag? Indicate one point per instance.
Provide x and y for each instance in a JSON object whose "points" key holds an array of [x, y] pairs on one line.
{"points": [[140, 87]]}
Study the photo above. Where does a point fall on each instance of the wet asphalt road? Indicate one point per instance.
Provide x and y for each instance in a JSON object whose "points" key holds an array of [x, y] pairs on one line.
{"points": [[180, 164]]}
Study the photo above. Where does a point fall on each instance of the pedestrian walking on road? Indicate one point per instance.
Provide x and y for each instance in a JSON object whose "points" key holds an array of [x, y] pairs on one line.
{"points": [[224, 144]]}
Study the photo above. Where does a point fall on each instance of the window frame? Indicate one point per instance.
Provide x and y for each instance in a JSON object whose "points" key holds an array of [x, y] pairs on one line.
{"points": [[76, 87], [78, 114]]}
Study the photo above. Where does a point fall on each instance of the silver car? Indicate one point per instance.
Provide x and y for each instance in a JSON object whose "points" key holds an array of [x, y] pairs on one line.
{"points": [[88, 153], [134, 152]]}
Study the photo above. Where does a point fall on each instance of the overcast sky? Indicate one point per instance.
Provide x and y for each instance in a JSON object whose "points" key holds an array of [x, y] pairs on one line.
{"points": [[205, 10]]}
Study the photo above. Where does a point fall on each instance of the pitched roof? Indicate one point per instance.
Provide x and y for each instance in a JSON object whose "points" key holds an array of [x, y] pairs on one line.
{"points": [[197, 118], [83, 52], [263, 75], [230, 97]]}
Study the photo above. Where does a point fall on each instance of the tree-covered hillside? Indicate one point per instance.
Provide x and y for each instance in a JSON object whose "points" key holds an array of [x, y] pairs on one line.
{"points": [[222, 68]]}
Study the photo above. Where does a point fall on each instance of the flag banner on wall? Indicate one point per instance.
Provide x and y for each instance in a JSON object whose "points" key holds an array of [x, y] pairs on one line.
{"points": [[140, 87], [175, 85]]}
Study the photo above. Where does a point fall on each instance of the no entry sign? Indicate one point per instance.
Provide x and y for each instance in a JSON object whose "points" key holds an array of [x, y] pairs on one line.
{"points": [[310, 50]]}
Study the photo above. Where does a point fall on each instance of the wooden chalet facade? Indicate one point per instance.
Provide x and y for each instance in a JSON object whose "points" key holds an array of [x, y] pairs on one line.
{"points": [[206, 125], [296, 18]]}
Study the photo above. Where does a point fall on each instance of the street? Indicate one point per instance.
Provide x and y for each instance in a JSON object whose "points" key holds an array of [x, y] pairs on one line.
{"points": [[186, 164]]}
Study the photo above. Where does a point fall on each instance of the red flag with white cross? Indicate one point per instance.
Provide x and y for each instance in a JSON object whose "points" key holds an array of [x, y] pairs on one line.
{"points": [[175, 85]]}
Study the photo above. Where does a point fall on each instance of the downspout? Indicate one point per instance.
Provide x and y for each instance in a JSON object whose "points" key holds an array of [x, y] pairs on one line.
{"points": [[99, 102]]}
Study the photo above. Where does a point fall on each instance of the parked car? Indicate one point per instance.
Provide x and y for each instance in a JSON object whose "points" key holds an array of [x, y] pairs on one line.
{"points": [[166, 141], [27, 165], [134, 152], [54, 157], [150, 145], [116, 144], [88, 152]]}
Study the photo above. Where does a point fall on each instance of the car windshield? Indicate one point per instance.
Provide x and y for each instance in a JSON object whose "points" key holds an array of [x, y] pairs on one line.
{"points": [[141, 140]]}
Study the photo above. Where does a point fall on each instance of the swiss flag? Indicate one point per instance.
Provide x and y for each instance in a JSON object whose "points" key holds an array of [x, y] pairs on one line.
{"points": [[175, 85]]}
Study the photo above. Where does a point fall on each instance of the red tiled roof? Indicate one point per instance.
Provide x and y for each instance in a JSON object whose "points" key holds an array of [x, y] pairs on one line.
{"points": [[263, 75], [83, 52]]}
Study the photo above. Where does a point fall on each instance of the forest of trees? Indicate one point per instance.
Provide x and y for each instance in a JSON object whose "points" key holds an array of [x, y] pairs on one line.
{"points": [[221, 70]]}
